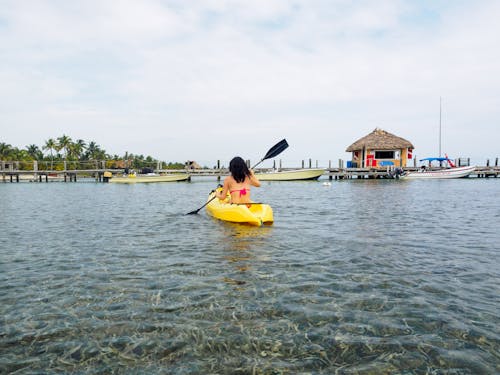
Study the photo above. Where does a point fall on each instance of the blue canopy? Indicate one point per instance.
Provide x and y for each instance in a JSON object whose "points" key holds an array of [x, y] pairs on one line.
{"points": [[435, 159]]}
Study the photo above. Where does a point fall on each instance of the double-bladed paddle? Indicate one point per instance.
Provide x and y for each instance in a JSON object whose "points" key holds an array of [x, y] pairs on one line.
{"points": [[274, 151]]}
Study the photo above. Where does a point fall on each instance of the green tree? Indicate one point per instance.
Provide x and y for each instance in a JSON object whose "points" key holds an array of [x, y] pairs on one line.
{"points": [[64, 143], [50, 144], [76, 149], [93, 151], [34, 152], [5, 151]]}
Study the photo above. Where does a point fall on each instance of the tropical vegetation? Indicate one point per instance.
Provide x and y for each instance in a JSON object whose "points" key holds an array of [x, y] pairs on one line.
{"points": [[56, 151]]}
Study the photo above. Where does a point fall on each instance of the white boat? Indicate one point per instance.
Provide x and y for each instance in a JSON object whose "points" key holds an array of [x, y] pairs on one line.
{"points": [[148, 178], [429, 173], [451, 172], [291, 175]]}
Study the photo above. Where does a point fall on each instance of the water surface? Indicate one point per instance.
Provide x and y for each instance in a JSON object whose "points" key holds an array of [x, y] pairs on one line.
{"points": [[360, 277]]}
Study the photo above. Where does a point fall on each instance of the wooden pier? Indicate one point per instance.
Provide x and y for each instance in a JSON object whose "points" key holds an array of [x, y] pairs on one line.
{"points": [[12, 171], [373, 173]]}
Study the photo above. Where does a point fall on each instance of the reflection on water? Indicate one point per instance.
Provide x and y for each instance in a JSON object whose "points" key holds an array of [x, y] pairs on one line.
{"points": [[362, 277], [242, 246]]}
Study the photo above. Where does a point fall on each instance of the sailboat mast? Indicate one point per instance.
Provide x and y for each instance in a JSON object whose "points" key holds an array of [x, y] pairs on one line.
{"points": [[439, 126]]}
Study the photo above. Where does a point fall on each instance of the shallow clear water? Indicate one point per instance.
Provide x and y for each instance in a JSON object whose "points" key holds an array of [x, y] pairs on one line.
{"points": [[360, 277]]}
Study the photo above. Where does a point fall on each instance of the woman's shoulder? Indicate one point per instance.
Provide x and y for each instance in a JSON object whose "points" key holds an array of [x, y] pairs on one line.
{"points": [[229, 180]]}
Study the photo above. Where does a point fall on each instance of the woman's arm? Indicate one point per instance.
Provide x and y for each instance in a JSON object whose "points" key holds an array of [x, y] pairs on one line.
{"points": [[222, 194], [254, 181]]}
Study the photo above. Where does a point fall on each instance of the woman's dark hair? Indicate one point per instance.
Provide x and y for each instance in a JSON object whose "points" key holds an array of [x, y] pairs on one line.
{"points": [[239, 169]]}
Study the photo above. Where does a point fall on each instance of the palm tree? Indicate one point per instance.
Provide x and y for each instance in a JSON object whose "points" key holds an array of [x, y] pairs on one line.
{"points": [[93, 150], [64, 143], [78, 147], [101, 155], [5, 151], [74, 152], [50, 144], [34, 152]]}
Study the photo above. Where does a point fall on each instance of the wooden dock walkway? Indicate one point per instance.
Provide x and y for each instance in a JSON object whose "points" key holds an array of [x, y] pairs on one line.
{"points": [[73, 175], [373, 173]]}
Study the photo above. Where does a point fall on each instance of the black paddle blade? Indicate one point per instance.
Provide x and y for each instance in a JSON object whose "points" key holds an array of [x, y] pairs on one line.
{"points": [[277, 149]]}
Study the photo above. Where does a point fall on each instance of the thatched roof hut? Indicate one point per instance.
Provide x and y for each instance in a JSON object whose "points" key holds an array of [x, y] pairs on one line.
{"points": [[380, 149], [381, 140], [191, 164]]}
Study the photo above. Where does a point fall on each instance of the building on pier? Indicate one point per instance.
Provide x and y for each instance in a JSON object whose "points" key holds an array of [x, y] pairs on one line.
{"points": [[380, 149]]}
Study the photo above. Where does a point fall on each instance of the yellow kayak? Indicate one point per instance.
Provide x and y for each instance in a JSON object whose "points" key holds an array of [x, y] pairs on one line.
{"points": [[251, 213]]}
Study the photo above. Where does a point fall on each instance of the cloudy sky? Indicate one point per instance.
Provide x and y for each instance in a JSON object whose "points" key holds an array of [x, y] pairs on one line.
{"points": [[207, 80]]}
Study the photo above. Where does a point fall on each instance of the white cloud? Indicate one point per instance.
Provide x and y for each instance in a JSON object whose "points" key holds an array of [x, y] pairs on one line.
{"points": [[321, 73]]}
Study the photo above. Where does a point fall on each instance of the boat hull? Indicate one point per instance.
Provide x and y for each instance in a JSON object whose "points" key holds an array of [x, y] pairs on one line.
{"points": [[458, 172], [150, 179], [292, 175], [254, 214]]}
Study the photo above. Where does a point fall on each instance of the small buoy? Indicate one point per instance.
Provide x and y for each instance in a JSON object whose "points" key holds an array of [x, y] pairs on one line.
{"points": [[326, 183]]}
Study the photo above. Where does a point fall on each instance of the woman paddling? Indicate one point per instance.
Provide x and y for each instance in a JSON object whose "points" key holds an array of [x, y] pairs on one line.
{"points": [[238, 183]]}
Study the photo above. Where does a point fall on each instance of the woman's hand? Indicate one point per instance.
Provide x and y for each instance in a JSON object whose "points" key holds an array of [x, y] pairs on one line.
{"points": [[218, 193]]}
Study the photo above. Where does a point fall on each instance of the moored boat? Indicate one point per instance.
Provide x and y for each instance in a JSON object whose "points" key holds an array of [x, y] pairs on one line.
{"points": [[147, 178], [246, 213], [291, 175], [428, 173]]}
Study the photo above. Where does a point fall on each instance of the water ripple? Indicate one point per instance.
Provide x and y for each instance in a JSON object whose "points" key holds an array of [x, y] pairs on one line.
{"points": [[364, 277]]}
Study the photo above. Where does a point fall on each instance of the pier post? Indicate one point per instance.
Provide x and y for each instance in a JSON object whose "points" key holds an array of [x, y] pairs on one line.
{"points": [[302, 164], [274, 164], [487, 162], [310, 163], [280, 164], [329, 164], [496, 162]]}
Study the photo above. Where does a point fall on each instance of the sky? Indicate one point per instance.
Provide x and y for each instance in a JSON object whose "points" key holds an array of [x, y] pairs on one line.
{"points": [[208, 80]]}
